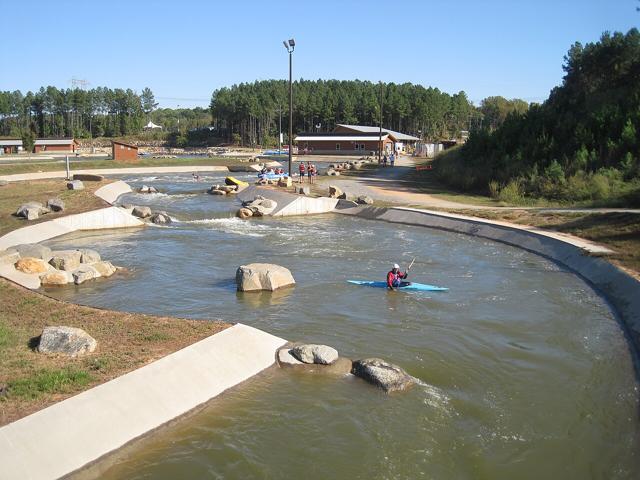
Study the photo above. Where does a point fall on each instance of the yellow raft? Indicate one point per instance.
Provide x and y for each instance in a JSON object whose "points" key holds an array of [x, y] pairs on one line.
{"points": [[235, 181]]}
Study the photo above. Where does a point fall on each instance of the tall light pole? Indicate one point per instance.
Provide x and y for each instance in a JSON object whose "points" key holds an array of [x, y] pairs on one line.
{"points": [[290, 46], [380, 136]]}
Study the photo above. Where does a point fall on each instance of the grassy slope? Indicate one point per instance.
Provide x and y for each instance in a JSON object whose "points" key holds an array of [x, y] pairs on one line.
{"points": [[618, 231], [30, 381], [16, 193], [48, 166]]}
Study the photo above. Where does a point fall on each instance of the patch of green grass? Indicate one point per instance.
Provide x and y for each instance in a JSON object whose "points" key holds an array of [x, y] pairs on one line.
{"points": [[48, 166], [30, 302], [99, 364], [5, 335], [49, 381], [155, 337]]}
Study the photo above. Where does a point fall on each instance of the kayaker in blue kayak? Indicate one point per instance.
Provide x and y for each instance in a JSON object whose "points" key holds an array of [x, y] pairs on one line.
{"points": [[395, 277]]}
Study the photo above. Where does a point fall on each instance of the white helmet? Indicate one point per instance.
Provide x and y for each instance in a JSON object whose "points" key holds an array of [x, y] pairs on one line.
{"points": [[395, 265]]}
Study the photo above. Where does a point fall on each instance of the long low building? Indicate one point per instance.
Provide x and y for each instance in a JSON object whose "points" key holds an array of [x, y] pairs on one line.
{"points": [[8, 146], [55, 145], [354, 140]]}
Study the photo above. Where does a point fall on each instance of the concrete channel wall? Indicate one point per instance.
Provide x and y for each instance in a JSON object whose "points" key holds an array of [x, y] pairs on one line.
{"points": [[68, 435], [620, 289]]}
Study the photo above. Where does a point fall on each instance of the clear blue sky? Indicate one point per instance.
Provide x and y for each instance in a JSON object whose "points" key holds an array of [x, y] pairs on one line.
{"points": [[184, 49]]}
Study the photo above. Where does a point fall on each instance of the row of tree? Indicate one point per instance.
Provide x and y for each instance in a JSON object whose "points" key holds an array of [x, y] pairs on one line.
{"points": [[251, 111], [574, 146], [53, 112]]}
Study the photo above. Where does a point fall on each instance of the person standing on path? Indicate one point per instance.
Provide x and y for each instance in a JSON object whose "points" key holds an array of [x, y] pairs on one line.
{"points": [[384, 160], [301, 170], [392, 158]]}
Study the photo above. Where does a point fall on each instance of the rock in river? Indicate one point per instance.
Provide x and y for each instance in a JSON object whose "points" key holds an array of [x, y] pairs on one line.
{"points": [[33, 250], [89, 256], [262, 276], [141, 212], [31, 265], [67, 260], [67, 340], [310, 353], [55, 278], [383, 374], [84, 273]]}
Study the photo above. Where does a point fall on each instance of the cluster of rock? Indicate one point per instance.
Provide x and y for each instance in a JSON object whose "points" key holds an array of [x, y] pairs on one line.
{"points": [[33, 210], [285, 182], [262, 276], [222, 189], [231, 185], [66, 340], [335, 168], [57, 267], [258, 207], [385, 375], [336, 192], [145, 213], [147, 189]]}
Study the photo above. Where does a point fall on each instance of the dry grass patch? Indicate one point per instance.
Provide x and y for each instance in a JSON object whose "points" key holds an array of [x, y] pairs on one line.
{"points": [[16, 193], [619, 231], [30, 381]]}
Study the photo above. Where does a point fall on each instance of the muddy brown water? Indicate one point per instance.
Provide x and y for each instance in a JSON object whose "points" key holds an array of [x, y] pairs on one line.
{"points": [[524, 371]]}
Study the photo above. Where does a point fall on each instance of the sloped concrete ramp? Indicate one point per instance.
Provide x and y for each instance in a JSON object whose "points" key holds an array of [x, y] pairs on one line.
{"points": [[65, 437], [290, 204]]}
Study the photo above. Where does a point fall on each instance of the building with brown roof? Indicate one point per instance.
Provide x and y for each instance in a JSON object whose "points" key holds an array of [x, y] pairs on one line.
{"points": [[124, 152]]}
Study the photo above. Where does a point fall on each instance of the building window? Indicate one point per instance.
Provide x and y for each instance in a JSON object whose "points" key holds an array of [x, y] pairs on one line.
{"points": [[337, 146], [362, 146]]}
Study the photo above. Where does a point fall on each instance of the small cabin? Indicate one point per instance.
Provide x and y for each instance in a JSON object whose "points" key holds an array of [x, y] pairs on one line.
{"points": [[124, 152]]}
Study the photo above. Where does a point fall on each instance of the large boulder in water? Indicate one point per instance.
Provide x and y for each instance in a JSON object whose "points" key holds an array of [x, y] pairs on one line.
{"points": [[262, 276], [67, 260], [383, 374], [67, 340], [141, 212], [310, 353]]}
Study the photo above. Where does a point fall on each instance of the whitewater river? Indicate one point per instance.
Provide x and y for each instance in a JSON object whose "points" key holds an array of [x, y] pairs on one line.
{"points": [[525, 372]]}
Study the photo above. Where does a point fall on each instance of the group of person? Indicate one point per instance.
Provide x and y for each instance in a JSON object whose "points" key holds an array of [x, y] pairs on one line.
{"points": [[310, 170], [272, 171], [390, 159]]}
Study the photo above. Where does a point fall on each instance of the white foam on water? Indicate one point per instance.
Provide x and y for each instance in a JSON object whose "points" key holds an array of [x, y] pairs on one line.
{"points": [[233, 225], [435, 398]]}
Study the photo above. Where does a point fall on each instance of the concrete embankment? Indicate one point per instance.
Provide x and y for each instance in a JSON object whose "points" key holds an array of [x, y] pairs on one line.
{"points": [[104, 218], [18, 177], [619, 288], [290, 204], [65, 437]]}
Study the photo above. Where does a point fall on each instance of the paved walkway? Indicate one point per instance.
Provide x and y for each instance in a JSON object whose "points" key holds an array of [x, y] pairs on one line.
{"points": [[390, 185]]}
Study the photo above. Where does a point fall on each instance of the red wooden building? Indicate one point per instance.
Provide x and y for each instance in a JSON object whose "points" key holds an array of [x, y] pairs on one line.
{"points": [[352, 140], [124, 152], [55, 145]]}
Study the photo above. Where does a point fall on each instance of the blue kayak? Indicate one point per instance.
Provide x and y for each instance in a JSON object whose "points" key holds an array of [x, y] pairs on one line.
{"points": [[272, 176], [421, 287]]}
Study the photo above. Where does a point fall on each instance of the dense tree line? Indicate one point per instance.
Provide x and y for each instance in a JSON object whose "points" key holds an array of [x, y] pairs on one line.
{"points": [[250, 112], [580, 144], [53, 112], [99, 112]]}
